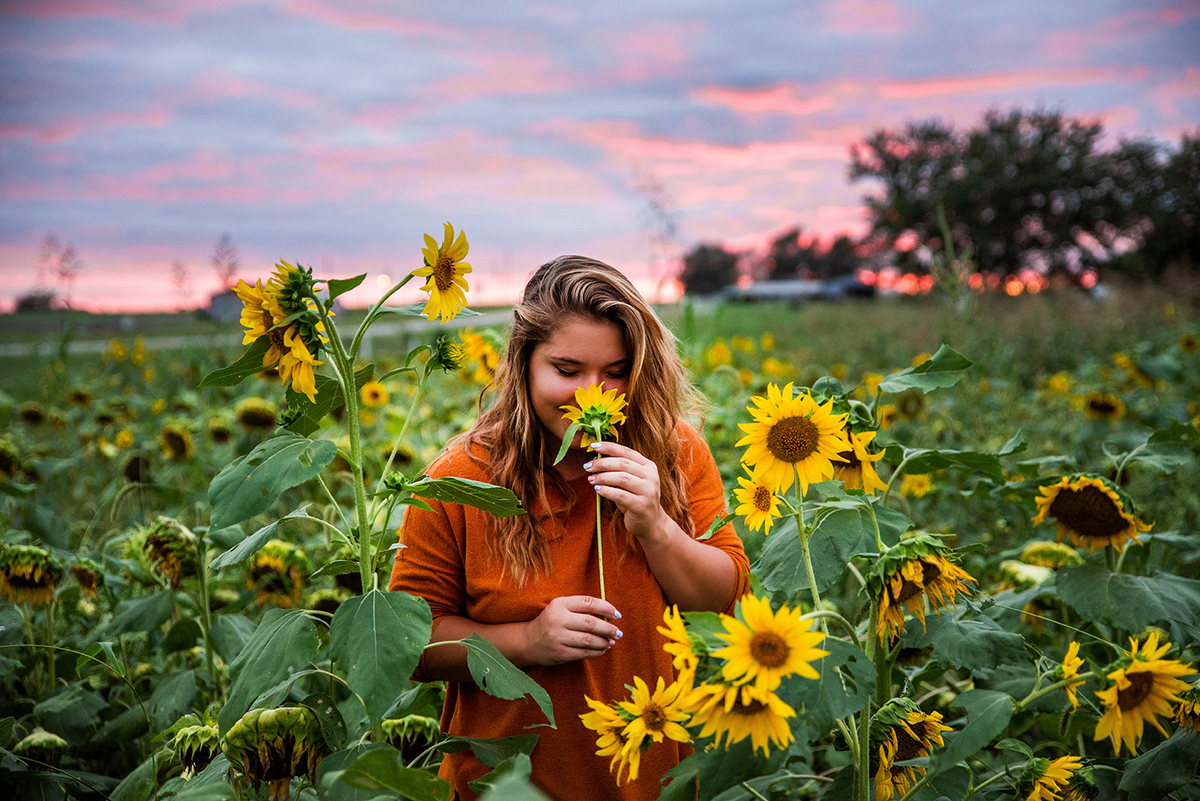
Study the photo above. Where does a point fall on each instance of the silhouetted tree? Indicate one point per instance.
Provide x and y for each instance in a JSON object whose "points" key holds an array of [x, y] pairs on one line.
{"points": [[181, 277], [707, 269], [225, 260]]}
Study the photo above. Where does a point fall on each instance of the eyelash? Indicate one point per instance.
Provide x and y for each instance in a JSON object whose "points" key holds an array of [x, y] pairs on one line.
{"points": [[565, 373]]}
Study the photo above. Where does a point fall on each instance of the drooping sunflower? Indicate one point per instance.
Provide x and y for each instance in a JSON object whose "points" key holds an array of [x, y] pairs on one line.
{"points": [[1069, 669], [734, 713], [295, 344], [1082, 785], [679, 645], [610, 725], [1187, 711], [765, 646], [278, 572], [1043, 780], [1090, 511], [176, 443], [274, 745], [1142, 690], [28, 574], [655, 715], [859, 470], [757, 503], [1103, 406], [900, 731], [597, 411], [88, 575], [1054, 555], [445, 268], [793, 438], [374, 394], [916, 570], [136, 469], [256, 414], [196, 746], [448, 355], [171, 548]]}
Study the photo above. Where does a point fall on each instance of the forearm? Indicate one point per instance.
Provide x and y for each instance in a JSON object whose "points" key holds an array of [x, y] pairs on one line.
{"points": [[694, 576], [449, 662]]}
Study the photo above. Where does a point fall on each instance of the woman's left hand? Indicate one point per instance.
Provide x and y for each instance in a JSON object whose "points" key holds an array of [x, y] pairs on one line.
{"points": [[630, 480]]}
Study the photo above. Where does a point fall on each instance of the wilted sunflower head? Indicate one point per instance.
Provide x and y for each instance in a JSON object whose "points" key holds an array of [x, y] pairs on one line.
{"points": [[916, 569], [1091, 510], [410, 730], [10, 459], [171, 548], [274, 745], [219, 430], [196, 746], [41, 746], [279, 572], [79, 397], [255, 414], [900, 731], [28, 574], [176, 443], [1187, 710], [1043, 553], [89, 576]]}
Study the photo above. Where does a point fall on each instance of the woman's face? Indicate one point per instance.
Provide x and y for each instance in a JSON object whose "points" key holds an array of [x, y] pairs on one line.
{"points": [[578, 352]]}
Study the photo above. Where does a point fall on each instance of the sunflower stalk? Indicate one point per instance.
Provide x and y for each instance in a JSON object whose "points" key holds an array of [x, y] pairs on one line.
{"points": [[599, 533], [206, 614], [412, 408], [373, 313], [1019, 706], [862, 766]]}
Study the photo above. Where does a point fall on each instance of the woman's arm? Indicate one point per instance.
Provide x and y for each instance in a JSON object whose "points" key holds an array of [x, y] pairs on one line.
{"points": [[569, 628], [693, 575]]}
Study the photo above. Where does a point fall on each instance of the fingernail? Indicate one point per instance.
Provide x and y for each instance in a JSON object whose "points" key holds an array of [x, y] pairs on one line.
{"points": [[618, 614], [587, 466], [620, 634], [611, 643]]}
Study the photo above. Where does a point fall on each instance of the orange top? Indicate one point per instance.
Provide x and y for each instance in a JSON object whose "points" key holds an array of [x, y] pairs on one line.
{"points": [[446, 562]]}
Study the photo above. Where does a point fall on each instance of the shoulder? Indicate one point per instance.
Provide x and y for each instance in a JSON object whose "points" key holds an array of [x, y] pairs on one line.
{"points": [[457, 462], [692, 447]]}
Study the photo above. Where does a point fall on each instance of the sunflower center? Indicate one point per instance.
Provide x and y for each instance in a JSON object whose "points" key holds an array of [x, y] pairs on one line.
{"points": [[175, 443], [1102, 406], [750, 709], [907, 747], [1089, 512], [762, 499], [769, 649], [1140, 685], [275, 334], [852, 461], [793, 439], [653, 717], [443, 273]]}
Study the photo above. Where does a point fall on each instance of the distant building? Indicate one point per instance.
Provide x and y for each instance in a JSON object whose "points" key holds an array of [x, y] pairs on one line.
{"points": [[225, 306]]}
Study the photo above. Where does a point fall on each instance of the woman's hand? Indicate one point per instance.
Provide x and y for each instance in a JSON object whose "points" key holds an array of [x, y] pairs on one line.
{"points": [[631, 481], [569, 628]]}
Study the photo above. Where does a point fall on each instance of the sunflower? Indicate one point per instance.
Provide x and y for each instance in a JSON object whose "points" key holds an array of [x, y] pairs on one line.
{"points": [[1059, 383], [766, 646], [793, 438], [1187, 711], [1054, 555], [219, 430], [756, 502], [1090, 511], [28, 574], [608, 723], [900, 731], [1069, 669], [718, 354], [916, 485], [445, 268], [1082, 786], [278, 572], [10, 459], [32, 413], [1134, 371], [1141, 691], [256, 413], [913, 571], [1189, 343], [273, 745], [859, 471], [480, 349], [597, 411], [448, 355], [176, 443], [1103, 406], [196, 746], [655, 715], [1044, 779], [679, 645], [136, 469], [735, 713], [888, 415], [89, 577], [295, 344], [373, 394], [172, 549], [124, 439]]}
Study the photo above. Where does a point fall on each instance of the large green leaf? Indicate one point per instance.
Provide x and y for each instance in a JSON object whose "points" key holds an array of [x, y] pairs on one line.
{"points": [[988, 714], [499, 501], [307, 415], [140, 784], [516, 766], [376, 640], [1131, 602], [141, 614], [944, 369], [926, 460], [1163, 769], [285, 641], [970, 643], [250, 363], [512, 786], [383, 770], [847, 681], [230, 633], [253, 483], [491, 751], [250, 546], [497, 676], [172, 698], [837, 538], [329, 788]]}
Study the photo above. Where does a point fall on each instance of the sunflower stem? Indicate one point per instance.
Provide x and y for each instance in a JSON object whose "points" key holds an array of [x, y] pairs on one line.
{"points": [[985, 783], [206, 615], [846, 624], [892, 481], [373, 313], [875, 522], [599, 538], [412, 408], [51, 668], [862, 766], [1049, 688], [808, 566]]}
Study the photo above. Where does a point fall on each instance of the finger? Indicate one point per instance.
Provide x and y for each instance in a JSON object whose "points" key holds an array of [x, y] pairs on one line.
{"points": [[598, 626], [615, 464], [591, 605], [622, 498], [610, 449]]}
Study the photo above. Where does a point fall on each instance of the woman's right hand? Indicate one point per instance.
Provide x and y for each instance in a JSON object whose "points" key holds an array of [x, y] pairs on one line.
{"points": [[569, 628]]}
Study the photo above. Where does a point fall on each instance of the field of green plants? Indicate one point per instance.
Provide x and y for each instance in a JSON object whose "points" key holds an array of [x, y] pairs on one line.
{"points": [[995, 593]]}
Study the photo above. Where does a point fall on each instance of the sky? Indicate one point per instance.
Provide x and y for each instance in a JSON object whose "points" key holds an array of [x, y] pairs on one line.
{"points": [[337, 133]]}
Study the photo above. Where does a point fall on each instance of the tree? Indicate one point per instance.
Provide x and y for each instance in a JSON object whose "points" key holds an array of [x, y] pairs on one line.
{"points": [[1162, 190], [225, 260], [707, 269], [69, 268], [790, 258], [181, 277]]}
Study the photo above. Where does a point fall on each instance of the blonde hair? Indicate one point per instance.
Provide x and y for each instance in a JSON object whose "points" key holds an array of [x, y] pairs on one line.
{"points": [[518, 449]]}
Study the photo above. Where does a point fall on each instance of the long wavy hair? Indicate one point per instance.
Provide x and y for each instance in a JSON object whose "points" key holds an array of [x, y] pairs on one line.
{"points": [[519, 452]]}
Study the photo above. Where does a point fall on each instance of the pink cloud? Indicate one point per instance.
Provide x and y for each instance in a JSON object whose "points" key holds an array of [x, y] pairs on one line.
{"points": [[1187, 87], [995, 82], [869, 16], [653, 49], [385, 19], [67, 129], [143, 11], [215, 85], [502, 74], [779, 99]]}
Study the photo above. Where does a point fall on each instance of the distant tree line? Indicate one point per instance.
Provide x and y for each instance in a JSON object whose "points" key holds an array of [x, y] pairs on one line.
{"points": [[1023, 189]]}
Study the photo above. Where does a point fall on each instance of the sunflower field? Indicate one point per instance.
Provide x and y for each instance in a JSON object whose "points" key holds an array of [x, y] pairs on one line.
{"points": [[972, 530]]}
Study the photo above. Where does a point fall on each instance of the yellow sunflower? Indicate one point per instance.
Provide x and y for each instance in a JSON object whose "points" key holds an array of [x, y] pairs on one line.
{"points": [[900, 731], [597, 411], [1090, 512], [608, 723], [1141, 692], [373, 394], [176, 443], [916, 485], [679, 645], [28, 574], [907, 575], [481, 351], [1187, 711], [766, 646], [445, 268], [793, 438], [1104, 406], [278, 572], [262, 314], [1070, 669], [734, 713], [655, 715], [756, 502], [859, 471], [718, 354], [1048, 778]]}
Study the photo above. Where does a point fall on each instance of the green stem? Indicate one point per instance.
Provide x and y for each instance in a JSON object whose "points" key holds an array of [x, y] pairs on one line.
{"points": [[875, 522], [892, 481], [1058, 685], [372, 313], [985, 783], [862, 766], [206, 617], [338, 507], [412, 408], [846, 624], [50, 666], [600, 550]]}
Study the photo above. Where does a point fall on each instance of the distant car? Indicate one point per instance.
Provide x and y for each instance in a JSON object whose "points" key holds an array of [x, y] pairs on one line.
{"points": [[797, 290]]}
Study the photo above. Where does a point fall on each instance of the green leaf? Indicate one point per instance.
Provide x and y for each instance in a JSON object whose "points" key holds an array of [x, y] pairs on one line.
{"points": [[1019, 747], [974, 644], [1167, 448], [336, 567], [838, 537], [498, 677], [182, 635], [285, 641], [254, 483], [491, 751], [383, 770], [139, 785], [377, 639], [517, 766], [251, 545], [340, 286], [568, 438], [250, 363], [92, 656], [1165, 768], [15, 489], [499, 501], [988, 713], [926, 460], [333, 727], [230, 633], [513, 786], [847, 681], [329, 788], [142, 614], [309, 414], [172, 698], [942, 370], [418, 310], [1130, 602]]}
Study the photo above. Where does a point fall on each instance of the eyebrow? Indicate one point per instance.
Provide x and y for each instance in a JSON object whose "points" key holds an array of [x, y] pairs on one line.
{"points": [[566, 360]]}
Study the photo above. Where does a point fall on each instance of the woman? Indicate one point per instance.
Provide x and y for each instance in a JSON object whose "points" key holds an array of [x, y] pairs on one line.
{"points": [[530, 584]]}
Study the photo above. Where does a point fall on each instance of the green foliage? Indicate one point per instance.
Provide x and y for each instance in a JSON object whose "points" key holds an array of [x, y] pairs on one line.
{"points": [[253, 483]]}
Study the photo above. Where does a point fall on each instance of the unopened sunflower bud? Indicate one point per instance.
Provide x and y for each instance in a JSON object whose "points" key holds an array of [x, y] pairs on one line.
{"points": [[43, 748], [1050, 554], [171, 548], [448, 355], [409, 729], [28, 574], [394, 481]]}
